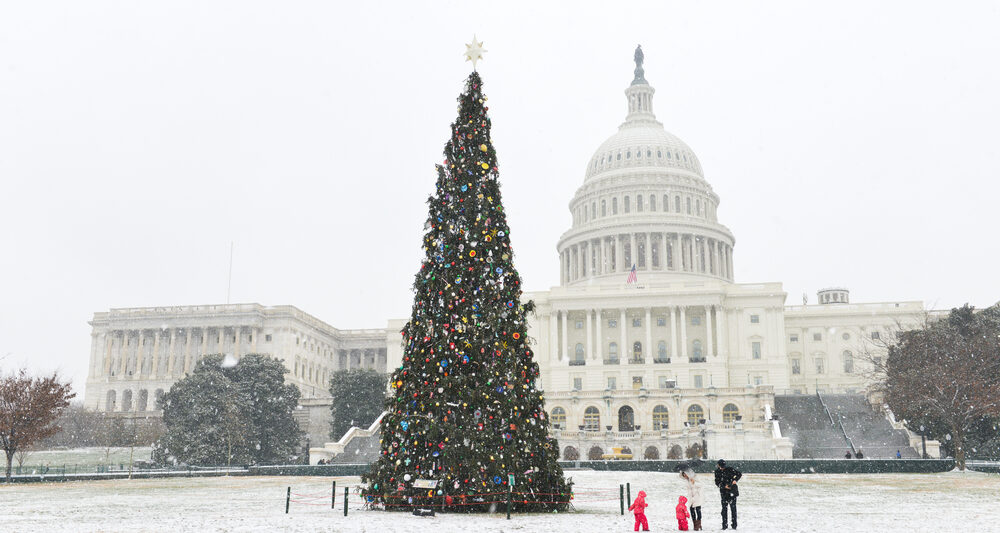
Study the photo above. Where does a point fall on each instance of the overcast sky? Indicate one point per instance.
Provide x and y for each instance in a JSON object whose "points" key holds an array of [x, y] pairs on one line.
{"points": [[855, 144]]}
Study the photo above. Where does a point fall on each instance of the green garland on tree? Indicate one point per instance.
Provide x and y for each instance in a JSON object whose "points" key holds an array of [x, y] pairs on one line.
{"points": [[465, 413]]}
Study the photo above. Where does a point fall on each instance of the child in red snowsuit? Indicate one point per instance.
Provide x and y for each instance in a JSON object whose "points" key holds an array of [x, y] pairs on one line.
{"points": [[639, 508], [682, 514]]}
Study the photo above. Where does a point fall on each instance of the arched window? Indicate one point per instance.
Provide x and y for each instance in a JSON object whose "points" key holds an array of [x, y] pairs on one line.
{"points": [[595, 453], [677, 204], [661, 418], [848, 362], [614, 206], [696, 348], [661, 352], [579, 356], [666, 203], [652, 453], [626, 418], [698, 207], [637, 352], [730, 412], [652, 202], [126, 401], [593, 210], [613, 352], [558, 418], [695, 415], [571, 454], [604, 208], [638, 203], [627, 205], [158, 398], [143, 400], [591, 419], [111, 401], [688, 202]]}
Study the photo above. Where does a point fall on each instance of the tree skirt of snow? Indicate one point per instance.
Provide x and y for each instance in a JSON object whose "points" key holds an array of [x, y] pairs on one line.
{"points": [[813, 503]]}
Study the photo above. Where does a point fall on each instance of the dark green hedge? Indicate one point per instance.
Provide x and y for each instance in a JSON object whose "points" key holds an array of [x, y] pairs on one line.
{"points": [[790, 466]]}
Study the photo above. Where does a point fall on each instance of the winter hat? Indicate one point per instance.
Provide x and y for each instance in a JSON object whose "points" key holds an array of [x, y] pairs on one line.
{"points": [[722, 463]]}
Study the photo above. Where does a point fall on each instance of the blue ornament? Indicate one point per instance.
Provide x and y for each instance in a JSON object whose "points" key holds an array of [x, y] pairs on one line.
{"points": [[510, 304], [404, 424], [444, 363], [499, 389], [465, 188], [499, 270], [497, 479]]}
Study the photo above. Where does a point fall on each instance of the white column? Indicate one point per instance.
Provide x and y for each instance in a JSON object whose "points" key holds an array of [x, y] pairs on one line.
{"points": [[156, 354], [587, 252], [674, 351], [663, 251], [171, 356], [723, 332], [565, 334], [553, 335], [708, 328], [684, 335], [648, 352], [678, 253], [602, 258], [623, 352], [648, 252], [631, 252], [238, 332], [599, 341], [590, 335]]}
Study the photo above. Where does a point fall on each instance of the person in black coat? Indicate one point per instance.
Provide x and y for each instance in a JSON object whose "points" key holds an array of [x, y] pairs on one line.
{"points": [[726, 478]]}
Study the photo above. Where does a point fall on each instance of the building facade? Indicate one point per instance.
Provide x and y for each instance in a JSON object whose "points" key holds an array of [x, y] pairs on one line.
{"points": [[648, 343]]}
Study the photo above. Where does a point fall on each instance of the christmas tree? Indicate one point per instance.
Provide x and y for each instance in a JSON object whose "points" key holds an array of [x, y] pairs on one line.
{"points": [[465, 413]]}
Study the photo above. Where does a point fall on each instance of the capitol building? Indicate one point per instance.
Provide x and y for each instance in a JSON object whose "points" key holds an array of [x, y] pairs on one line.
{"points": [[675, 355]]}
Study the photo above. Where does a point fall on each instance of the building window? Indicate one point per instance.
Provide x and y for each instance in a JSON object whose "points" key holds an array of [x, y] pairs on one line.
{"points": [[612, 383], [636, 352], [677, 204], [661, 321], [558, 418], [758, 380], [661, 418], [755, 349], [666, 203], [794, 337], [579, 324], [661, 352], [796, 367], [636, 382], [688, 204], [730, 413], [636, 322], [699, 381], [695, 415], [604, 208], [696, 350], [628, 206], [612, 323], [848, 362], [579, 357], [591, 419], [652, 202], [846, 336], [875, 336], [613, 352], [619, 156], [696, 321], [817, 336], [820, 367], [755, 319], [638, 203], [614, 206], [665, 382]]}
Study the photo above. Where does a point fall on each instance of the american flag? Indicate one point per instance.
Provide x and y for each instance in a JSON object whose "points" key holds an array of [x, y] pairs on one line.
{"points": [[632, 278]]}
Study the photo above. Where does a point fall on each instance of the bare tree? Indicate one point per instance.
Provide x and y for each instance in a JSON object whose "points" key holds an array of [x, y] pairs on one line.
{"points": [[29, 407]]}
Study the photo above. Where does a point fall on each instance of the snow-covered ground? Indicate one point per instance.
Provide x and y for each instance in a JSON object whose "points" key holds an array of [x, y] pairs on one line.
{"points": [[953, 502]]}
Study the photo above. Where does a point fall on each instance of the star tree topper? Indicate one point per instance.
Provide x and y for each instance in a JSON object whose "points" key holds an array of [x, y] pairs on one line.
{"points": [[474, 51]]}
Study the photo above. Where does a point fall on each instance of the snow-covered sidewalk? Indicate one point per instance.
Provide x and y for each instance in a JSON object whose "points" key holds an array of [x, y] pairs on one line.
{"points": [[787, 503]]}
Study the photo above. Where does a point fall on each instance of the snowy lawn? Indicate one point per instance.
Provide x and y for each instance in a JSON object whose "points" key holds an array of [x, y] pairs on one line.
{"points": [[85, 458], [954, 501]]}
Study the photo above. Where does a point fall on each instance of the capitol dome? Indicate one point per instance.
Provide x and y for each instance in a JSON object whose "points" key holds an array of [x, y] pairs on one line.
{"points": [[644, 202]]}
